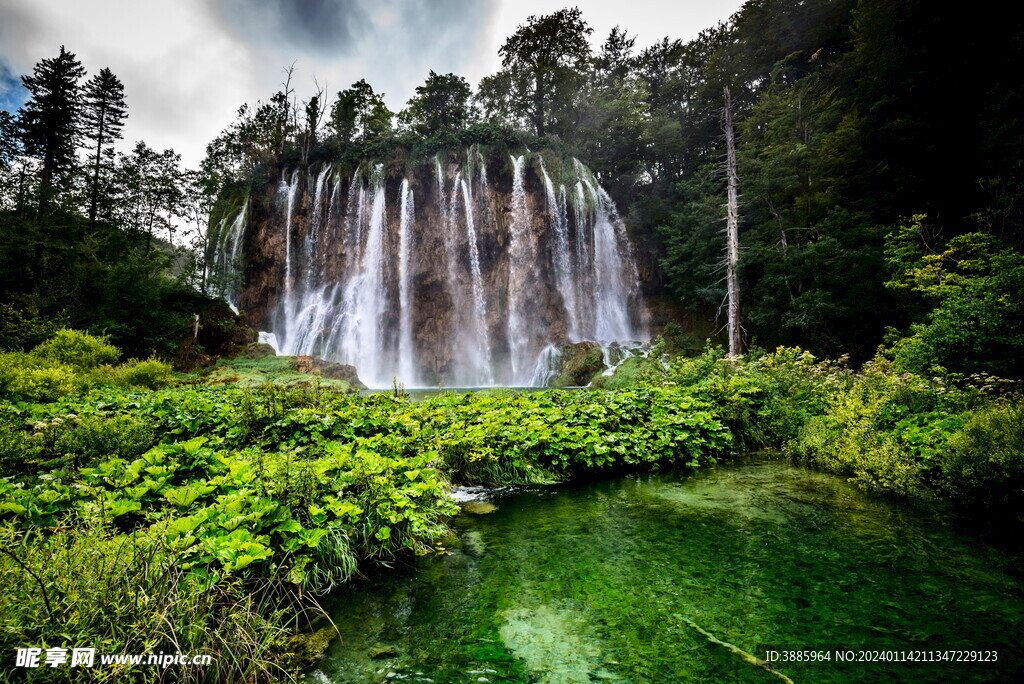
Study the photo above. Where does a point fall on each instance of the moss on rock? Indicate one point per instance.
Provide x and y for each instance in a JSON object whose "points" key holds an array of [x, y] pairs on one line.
{"points": [[578, 363]]}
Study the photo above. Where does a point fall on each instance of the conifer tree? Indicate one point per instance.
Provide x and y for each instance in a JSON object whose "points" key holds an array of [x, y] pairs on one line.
{"points": [[103, 115], [49, 120]]}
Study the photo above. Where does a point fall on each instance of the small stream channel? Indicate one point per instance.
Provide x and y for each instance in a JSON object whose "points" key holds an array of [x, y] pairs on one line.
{"points": [[605, 582]]}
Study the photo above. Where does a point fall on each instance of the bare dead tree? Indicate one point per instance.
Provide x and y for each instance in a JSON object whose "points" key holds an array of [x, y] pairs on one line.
{"points": [[732, 248], [283, 117]]}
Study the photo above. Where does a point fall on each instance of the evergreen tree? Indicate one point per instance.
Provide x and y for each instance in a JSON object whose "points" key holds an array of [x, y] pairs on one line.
{"points": [[49, 121], [103, 115], [9, 147], [10, 150]]}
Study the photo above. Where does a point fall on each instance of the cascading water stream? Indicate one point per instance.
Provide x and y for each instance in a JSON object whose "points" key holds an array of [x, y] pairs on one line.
{"points": [[221, 270], [562, 254], [364, 297], [522, 257], [406, 352], [611, 320], [289, 192], [315, 228], [483, 346]]}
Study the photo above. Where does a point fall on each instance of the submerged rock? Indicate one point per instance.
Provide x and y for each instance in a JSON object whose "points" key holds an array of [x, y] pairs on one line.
{"points": [[479, 507], [382, 652], [473, 544], [557, 645], [302, 650]]}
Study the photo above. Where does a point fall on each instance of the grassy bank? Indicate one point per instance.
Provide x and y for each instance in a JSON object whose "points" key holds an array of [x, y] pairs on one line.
{"points": [[898, 433]]}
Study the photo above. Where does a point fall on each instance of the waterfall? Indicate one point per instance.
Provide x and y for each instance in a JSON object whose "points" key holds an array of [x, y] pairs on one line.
{"points": [[361, 334], [288, 190], [221, 271], [316, 226], [562, 254], [521, 256], [449, 273], [406, 352], [482, 337]]}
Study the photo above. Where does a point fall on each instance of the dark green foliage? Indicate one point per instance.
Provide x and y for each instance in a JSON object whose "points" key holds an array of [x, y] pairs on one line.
{"points": [[23, 328], [359, 115], [56, 270], [49, 121], [545, 61], [975, 286], [984, 461], [441, 104], [93, 251], [103, 115]]}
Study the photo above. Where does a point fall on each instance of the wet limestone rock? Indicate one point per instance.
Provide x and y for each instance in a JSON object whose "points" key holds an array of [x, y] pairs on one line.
{"points": [[302, 650], [260, 350], [328, 370], [578, 363]]}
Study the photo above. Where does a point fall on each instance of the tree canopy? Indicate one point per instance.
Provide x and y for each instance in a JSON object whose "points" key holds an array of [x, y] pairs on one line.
{"points": [[441, 104]]}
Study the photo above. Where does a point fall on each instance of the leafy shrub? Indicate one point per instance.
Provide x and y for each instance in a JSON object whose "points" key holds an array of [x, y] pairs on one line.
{"points": [[847, 440], [764, 398], [84, 441], [72, 440], [150, 374], [71, 362], [887, 430], [976, 283], [23, 327], [77, 349], [984, 461], [31, 378], [16, 448]]}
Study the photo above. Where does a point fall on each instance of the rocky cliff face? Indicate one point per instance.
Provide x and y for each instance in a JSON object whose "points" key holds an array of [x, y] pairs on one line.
{"points": [[459, 270]]}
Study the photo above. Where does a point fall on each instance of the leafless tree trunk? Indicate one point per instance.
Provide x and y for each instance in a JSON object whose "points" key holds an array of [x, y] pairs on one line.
{"points": [[732, 249]]}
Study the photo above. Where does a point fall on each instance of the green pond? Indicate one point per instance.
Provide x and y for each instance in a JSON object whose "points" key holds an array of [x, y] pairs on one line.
{"points": [[633, 579]]}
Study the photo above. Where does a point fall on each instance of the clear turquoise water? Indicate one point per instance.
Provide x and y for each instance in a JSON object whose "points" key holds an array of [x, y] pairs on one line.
{"points": [[591, 582]]}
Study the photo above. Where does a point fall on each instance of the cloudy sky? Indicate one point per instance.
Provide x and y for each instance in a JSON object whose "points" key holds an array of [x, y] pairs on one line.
{"points": [[187, 65]]}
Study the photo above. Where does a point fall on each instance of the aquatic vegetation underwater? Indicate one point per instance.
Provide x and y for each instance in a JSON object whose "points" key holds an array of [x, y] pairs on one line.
{"points": [[637, 579]]}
